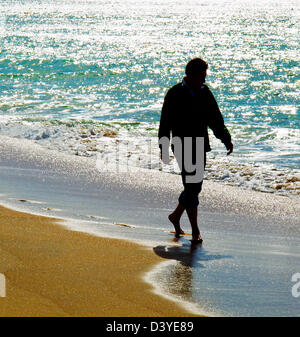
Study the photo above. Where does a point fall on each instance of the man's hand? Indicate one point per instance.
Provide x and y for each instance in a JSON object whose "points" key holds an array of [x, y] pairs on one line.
{"points": [[229, 148]]}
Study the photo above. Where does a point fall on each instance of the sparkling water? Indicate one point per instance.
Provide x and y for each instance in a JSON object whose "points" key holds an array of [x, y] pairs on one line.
{"points": [[71, 66]]}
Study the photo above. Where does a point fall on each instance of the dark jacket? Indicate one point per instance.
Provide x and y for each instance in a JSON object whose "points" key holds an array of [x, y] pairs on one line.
{"points": [[186, 114]]}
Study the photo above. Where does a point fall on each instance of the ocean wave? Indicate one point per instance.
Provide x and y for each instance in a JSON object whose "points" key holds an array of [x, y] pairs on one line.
{"points": [[135, 145]]}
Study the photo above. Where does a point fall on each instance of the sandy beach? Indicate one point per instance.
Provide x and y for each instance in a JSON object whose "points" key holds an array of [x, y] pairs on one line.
{"points": [[52, 271], [85, 197]]}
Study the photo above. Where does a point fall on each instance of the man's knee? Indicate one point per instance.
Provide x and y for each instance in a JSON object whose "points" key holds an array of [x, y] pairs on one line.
{"points": [[188, 199]]}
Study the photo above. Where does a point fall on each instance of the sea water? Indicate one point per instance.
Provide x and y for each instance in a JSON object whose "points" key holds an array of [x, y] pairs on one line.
{"points": [[83, 76], [72, 72]]}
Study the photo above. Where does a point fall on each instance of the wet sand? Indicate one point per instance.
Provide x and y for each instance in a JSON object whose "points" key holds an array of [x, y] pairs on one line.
{"points": [[240, 229], [52, 271]]}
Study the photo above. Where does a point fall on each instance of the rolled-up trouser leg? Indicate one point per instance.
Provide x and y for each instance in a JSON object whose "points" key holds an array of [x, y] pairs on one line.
{"points": [[189, 196]]}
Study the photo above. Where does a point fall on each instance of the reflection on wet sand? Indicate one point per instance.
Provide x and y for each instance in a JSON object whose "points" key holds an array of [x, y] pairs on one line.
{"points": [[179, 278]]}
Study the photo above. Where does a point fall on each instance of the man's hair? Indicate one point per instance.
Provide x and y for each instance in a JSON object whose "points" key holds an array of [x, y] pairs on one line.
{"points": [[195, 66]]}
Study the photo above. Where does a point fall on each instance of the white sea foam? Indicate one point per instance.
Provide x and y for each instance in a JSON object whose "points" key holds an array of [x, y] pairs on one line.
{"points": [[134, 148]]}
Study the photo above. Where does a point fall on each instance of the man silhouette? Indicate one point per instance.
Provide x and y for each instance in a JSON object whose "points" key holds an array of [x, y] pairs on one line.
{"points": [[189, 108]]}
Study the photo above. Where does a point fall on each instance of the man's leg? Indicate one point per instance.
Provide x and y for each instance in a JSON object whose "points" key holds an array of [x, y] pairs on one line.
{"points": [[192, 213], [175, 216], [190, 199]]}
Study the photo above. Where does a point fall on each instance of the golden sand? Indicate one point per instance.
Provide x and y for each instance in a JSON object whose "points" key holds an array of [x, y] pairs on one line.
{"points": [[52, 271]]}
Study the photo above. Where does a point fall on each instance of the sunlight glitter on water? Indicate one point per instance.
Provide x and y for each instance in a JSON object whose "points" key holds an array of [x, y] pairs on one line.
{"points": [[112, 62]]}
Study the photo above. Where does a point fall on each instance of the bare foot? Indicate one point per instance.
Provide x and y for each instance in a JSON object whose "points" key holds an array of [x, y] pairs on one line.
{"points": [[176, 225], [197, 239]]}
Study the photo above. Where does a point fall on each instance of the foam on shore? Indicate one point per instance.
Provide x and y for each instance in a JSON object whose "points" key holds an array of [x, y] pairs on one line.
{"points": [[136, 146]]}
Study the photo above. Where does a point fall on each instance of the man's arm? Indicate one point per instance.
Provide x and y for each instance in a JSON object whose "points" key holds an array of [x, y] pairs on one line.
{"points": [[164, 125], [216, 123]]}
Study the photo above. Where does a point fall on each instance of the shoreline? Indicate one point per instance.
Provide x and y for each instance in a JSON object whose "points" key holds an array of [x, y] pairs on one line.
{"points": [[30, 158], [60, 186], [90, 141], [51, 270]]}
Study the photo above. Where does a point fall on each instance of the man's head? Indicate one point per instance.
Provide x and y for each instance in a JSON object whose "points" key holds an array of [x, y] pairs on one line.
{"points": [[196, 72]]}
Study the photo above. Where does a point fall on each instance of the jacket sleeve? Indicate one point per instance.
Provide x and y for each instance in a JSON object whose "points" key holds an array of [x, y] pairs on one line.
{"points": [[164, 125], [216, 121]]}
